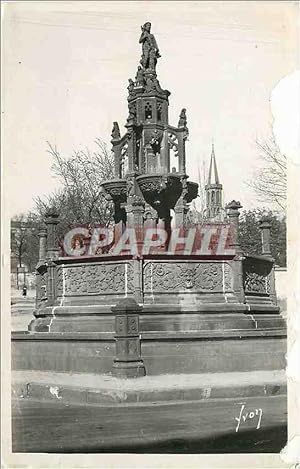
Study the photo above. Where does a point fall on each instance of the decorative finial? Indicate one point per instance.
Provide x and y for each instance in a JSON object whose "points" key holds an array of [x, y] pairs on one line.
{"points": [[234, 205], [150, 51]]}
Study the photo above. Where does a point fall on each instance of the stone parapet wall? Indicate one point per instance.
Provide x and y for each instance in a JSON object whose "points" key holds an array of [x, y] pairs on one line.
{"points": [[74, 296], [201, 352], [140, 278]]}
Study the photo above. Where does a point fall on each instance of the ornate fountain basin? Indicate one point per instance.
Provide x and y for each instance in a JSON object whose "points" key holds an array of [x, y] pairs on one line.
{"points": [[160, 189], [117, 189]]}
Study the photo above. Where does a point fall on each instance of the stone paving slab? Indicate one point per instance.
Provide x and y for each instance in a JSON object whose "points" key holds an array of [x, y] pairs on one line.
{"points": [[108, 390]]}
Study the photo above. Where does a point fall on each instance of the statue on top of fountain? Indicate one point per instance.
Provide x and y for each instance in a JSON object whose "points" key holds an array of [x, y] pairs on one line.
{"points": [[150, 51]]}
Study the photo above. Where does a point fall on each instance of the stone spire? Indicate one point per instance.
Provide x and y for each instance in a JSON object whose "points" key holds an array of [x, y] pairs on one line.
{"points": [[214, 191], [213, 172]]}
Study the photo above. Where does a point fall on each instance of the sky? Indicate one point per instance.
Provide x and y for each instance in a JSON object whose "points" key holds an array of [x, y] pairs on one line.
{"points": [[65, 74]]}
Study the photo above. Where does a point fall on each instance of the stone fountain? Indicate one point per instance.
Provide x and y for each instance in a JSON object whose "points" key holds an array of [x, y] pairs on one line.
{"points": [[196, 313]]}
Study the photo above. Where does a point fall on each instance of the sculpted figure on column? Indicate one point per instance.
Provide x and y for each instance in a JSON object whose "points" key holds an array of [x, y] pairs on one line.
{"points": [[150, 50]]}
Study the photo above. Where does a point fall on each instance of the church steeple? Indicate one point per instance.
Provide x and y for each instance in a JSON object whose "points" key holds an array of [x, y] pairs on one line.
{"points": [[214, 191], [213, 172]]}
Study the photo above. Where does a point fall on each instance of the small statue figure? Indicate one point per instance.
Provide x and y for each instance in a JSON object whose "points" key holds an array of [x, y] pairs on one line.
{"points": [[182, 118], [115, 133], [130, 187], [150, 52], [130, 87], [150, 85], [139, 78], [132, 114]]}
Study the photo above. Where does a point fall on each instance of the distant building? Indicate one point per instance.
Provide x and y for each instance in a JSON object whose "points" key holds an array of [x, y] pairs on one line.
{"points": [[214, 210]]}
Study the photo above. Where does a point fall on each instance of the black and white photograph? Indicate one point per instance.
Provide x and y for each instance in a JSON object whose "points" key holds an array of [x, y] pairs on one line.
{"points": [[150, 220]]}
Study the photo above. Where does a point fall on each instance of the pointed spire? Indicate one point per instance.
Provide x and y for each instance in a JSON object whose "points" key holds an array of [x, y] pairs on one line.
{"points": [[213, 168], [214, 208]]}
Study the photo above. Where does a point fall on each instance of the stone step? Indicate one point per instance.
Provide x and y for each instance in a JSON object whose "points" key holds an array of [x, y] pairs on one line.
{"points": [[107, 390]]}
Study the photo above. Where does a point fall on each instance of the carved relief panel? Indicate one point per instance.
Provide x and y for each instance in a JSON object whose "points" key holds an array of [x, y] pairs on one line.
{"points": [[59, 280], [256, 276], [127, 325], [179, 276], [41, 286], [99, 279]]}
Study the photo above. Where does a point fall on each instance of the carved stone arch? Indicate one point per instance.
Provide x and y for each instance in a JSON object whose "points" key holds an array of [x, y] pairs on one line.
{"points": [[159, 110]]}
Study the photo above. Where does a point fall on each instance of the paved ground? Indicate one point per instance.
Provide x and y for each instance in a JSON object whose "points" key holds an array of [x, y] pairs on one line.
{"points": [[194, 427], [22, 308], [202, 426]]}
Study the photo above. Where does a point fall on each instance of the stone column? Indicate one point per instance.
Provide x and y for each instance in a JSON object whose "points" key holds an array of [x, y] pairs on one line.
{"points": [[164, 223], [181, 209], [128, 362], [181, 152], [135, 218], [42, 244], [51, 221], [233, 215], [138, 280], [41, 267], [165, 153], [265, 227]]}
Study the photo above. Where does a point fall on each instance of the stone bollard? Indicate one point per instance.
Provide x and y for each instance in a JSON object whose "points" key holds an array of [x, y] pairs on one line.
{"points": [[233, 215], [265, 227], [128, 362]]}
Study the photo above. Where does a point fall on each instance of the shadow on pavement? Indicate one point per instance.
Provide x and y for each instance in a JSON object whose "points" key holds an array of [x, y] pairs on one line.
{"points": [[270, 440]]}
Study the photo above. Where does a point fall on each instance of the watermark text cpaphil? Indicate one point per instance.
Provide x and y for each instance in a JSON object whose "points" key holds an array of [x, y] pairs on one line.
{"points": [[204, 240]]}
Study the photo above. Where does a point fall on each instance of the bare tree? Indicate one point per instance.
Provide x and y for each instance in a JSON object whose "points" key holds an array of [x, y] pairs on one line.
{"points": [[80, 199], [270, 181], [24, 240]]}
